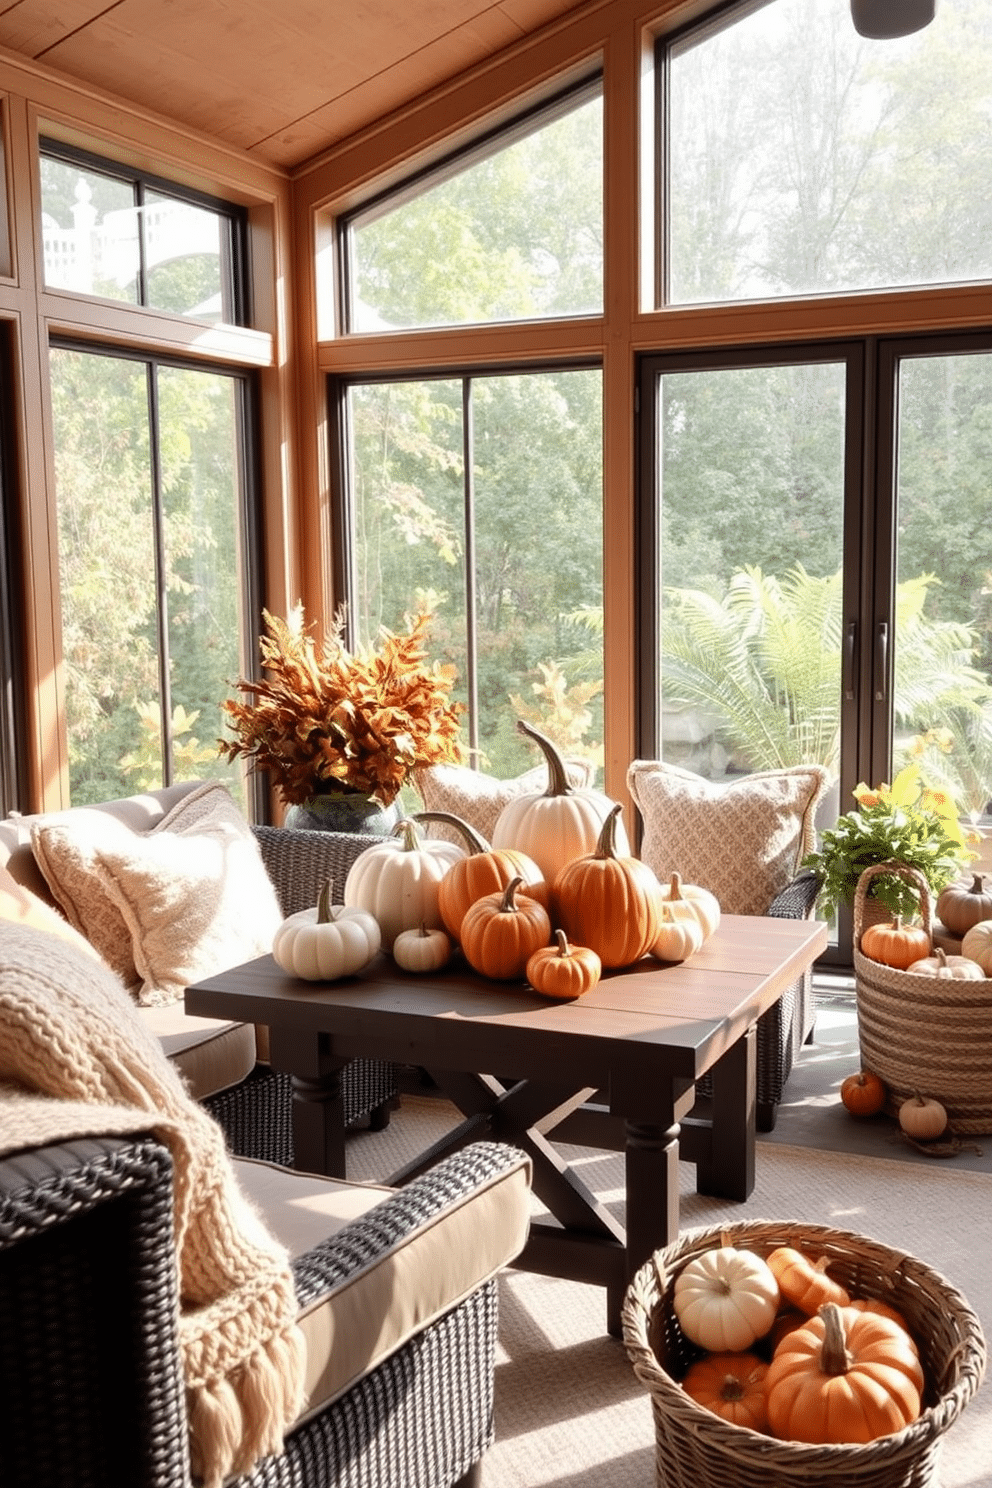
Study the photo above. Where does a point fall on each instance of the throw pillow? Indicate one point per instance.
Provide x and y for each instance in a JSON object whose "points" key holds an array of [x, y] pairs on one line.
{"points": [[742, 839], [192, 894], [19, 905], [478, 798]]}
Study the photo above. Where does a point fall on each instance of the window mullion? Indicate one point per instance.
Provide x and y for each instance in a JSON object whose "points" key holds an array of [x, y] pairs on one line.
{"points": [[471, 631], [161, 584]]}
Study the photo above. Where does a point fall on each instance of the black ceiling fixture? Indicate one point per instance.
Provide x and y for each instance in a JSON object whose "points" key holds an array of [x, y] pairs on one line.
{"points": [[882, 19]]}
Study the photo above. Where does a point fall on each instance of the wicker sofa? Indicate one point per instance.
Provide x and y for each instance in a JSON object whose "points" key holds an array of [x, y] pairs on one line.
{"points": [[93, 1385], [225, 1064]]}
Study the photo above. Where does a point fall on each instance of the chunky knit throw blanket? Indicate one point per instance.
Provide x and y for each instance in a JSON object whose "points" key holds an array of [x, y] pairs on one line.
{"points": [[72, 1042]]}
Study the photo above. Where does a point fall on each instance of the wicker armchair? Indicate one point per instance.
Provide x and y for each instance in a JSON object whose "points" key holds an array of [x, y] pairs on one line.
{"points": [[93, 1389]]}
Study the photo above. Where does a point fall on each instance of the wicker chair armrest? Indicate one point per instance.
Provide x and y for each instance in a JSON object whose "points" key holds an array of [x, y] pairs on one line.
{"points": [[299, 862], [797, 900], [363, 1240]]}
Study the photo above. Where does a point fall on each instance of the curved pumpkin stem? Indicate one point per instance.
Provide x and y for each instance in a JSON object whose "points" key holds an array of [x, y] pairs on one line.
{"points": [[834, 1355], [606, 847], [507, 904], [558, 782], [675, 887], [324, 915], [564, 949], [406, 828], [474, 840]]}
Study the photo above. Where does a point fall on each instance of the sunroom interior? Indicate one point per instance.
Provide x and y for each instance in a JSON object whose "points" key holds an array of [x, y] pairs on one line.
{"points": [[716, 382]]}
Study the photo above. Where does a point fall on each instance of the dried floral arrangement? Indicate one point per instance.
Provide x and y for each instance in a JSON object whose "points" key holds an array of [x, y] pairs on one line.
{"points": [[325, 719]]}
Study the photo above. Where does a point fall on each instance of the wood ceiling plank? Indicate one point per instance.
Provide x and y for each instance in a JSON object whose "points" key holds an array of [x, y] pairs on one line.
{"points": [[32, 26]]}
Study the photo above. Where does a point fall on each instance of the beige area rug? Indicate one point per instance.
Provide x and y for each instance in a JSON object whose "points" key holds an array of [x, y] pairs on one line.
{"points": [[570, 1412]]}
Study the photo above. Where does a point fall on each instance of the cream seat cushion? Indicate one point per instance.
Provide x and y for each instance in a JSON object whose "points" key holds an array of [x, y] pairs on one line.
{"points": [[167, 907], [742, 839], [358, 1324], [211, 1055]]}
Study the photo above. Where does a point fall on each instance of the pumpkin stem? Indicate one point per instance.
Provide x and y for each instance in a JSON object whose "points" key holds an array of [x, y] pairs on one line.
{"points": [[732, 1388], [675, 888], [407, 829], [564, 949], [606, 847], [324, 915], [558, 782], [507, 905], [834, 1355], [474, 841]]}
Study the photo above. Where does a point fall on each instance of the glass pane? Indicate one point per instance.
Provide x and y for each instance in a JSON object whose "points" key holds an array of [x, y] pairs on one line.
{"points": [[807, 160], [515, 236], [183, 258], [530, 611], [751, 524], [539, 564], [201, 499], [107, 565], [943, 649], [90, 232]]}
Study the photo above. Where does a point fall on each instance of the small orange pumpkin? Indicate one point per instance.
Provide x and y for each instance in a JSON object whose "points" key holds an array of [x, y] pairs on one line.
{"points": [[959, 907], [732, 1386], [805, 1283], [895, 944], [500, 932], [847, 1376], [609, 903], [563, 970], [864, 1094], [486, 870]]}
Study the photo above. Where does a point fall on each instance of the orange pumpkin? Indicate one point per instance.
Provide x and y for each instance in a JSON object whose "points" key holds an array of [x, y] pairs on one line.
{"points": [[610, 903], [847, 1376], [895, 944], [486, 870], [805, 1283], [875, 1304], [863, 1094], [960, 907], [563, 970], [732, 1386], [500, 932]]}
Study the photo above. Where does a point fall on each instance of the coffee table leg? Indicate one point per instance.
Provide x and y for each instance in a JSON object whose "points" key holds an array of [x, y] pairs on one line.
{"points": [[727, 1171], [318, 1105], [652, 1166]]}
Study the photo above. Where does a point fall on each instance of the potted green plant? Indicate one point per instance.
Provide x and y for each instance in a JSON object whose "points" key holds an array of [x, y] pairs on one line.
{"points": [[907, 822]]}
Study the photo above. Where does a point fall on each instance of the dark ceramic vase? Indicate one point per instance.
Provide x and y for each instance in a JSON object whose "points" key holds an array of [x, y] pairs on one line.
{"points": [[343, 811]]}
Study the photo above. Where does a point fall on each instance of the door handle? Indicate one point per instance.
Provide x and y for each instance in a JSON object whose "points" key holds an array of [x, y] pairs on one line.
{"points": [[881, 661], [850, 647]]}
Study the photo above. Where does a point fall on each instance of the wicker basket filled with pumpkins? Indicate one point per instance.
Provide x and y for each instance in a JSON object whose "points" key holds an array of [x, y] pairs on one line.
{"points": [[554, 900], [925, 1015], [782, 1355]]}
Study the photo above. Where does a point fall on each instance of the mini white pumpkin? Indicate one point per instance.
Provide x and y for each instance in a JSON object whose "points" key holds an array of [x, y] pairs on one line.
{"points": [[326, 942], [693, 900], [423, 949], [725, 1299], [678, 936], [396, 880], [976, 944]]}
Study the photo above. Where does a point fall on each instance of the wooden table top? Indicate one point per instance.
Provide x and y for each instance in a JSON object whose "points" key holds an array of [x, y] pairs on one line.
{"points": [[695, 1010]]}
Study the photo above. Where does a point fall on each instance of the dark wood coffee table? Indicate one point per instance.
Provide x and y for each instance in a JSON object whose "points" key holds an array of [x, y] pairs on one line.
{"points": [[615, 1069]]}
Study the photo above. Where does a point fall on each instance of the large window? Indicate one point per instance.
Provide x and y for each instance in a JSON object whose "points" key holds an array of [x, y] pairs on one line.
{"points": [[512, 230], [126, 236], [805, 160], [480, 499], [155, 557]]}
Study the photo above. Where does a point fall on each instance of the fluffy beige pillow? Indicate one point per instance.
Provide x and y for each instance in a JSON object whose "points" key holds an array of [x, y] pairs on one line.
{"points": [[66, 845], [193, 893], [742, 839], [478, 798]]}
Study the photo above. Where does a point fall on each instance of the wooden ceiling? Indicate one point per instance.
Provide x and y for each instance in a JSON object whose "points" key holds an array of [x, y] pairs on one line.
{"points": [[280, 79]]}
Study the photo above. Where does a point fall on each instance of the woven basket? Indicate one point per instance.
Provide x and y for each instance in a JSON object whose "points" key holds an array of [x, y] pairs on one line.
{"points": [[926, 1034], [695, 1448]]}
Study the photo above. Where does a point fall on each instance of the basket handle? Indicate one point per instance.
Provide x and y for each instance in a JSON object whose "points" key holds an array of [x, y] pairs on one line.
{"points": [[901, 870]]}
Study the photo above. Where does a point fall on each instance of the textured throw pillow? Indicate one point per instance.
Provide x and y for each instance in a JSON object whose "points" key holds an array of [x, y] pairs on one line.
{"points": [[193, 893], [742, 839], [478, 798], [19, 905]]}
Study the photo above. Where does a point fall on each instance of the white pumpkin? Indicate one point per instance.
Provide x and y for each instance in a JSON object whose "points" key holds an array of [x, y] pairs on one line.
{"points": [[326, 942], [397, 879], [679, 937], [725, 1299], [695, 901], [560, 824], [422, 950], [976, 944]]}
